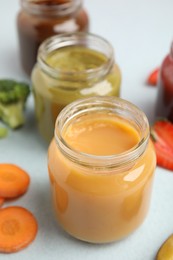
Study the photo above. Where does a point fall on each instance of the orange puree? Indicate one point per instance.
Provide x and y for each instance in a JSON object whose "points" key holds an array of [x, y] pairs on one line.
{"points": [[100, 205], [105, 136]]}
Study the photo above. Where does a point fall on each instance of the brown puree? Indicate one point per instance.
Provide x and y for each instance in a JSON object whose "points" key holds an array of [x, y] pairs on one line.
{"points": [[51, 2], [39, 20]]}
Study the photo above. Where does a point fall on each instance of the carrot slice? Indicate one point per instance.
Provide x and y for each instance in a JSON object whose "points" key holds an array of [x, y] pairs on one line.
{"points": [[14, 181], [18, 228], [1, 201]]}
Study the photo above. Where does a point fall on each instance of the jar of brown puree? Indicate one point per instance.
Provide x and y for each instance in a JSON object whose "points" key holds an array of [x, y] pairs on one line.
{"points": [[40, 19]]}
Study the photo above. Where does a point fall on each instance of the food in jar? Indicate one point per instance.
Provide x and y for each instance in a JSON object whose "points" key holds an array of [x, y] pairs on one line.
{"points": [[68, 73], [98, 196], [38, 20], [164, 101]]}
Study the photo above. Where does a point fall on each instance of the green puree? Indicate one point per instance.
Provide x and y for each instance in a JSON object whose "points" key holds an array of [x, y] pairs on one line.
{"points": [[75, 59], [53, 93]]}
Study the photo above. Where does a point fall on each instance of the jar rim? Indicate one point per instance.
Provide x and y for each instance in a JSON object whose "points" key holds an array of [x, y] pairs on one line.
{"points": [[84, 39], [117, 106], [54, 9]]}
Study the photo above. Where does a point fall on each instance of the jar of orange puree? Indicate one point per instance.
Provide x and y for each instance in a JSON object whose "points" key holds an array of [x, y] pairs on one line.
{"points": [[101, 165]]}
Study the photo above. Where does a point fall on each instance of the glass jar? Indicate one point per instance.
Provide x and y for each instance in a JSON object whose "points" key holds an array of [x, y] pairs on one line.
{"points": [[69, 67], [101, 193], [40, 19], [164, 103]]}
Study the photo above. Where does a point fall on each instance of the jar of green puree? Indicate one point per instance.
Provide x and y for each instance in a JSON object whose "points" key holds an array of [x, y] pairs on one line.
{"points": [[69, 67]]}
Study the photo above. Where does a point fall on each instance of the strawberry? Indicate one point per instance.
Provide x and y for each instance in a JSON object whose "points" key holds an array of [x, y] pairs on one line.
{"points": [[164, 130], [153, 78], [162, 137]]}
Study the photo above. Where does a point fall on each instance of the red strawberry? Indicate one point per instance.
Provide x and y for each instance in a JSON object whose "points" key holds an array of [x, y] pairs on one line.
{"points": [[153, 78], [164, 130], [162, 137]]}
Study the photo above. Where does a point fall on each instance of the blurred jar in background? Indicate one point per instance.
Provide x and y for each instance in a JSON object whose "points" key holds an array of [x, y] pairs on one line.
{"points": [[40, 19], [69, 67], [164, 105]]}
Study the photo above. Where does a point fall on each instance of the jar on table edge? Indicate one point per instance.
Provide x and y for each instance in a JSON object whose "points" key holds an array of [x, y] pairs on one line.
{"points": [[100, 198], [69, 67], [164, 102], [39, 19]]}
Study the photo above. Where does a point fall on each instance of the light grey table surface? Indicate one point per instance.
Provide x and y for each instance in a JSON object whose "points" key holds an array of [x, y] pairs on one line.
{"points": [[141, 33]]}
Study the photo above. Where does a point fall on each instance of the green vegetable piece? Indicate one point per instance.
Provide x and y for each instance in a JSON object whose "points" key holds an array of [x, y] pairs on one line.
{"points": [[3, 132], [13, 96]]}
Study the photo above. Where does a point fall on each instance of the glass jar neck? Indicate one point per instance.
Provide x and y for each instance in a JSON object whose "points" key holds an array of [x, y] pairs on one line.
{"points": [[110, 105], [171, 51], [86, 40], [51, 7]]}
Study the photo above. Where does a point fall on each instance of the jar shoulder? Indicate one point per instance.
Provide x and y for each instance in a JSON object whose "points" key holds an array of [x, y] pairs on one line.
{"points": [[138, 172], [78, 21]]}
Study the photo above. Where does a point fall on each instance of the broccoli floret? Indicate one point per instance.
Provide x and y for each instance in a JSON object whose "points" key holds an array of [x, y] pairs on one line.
{"points": [[13, 96]]}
